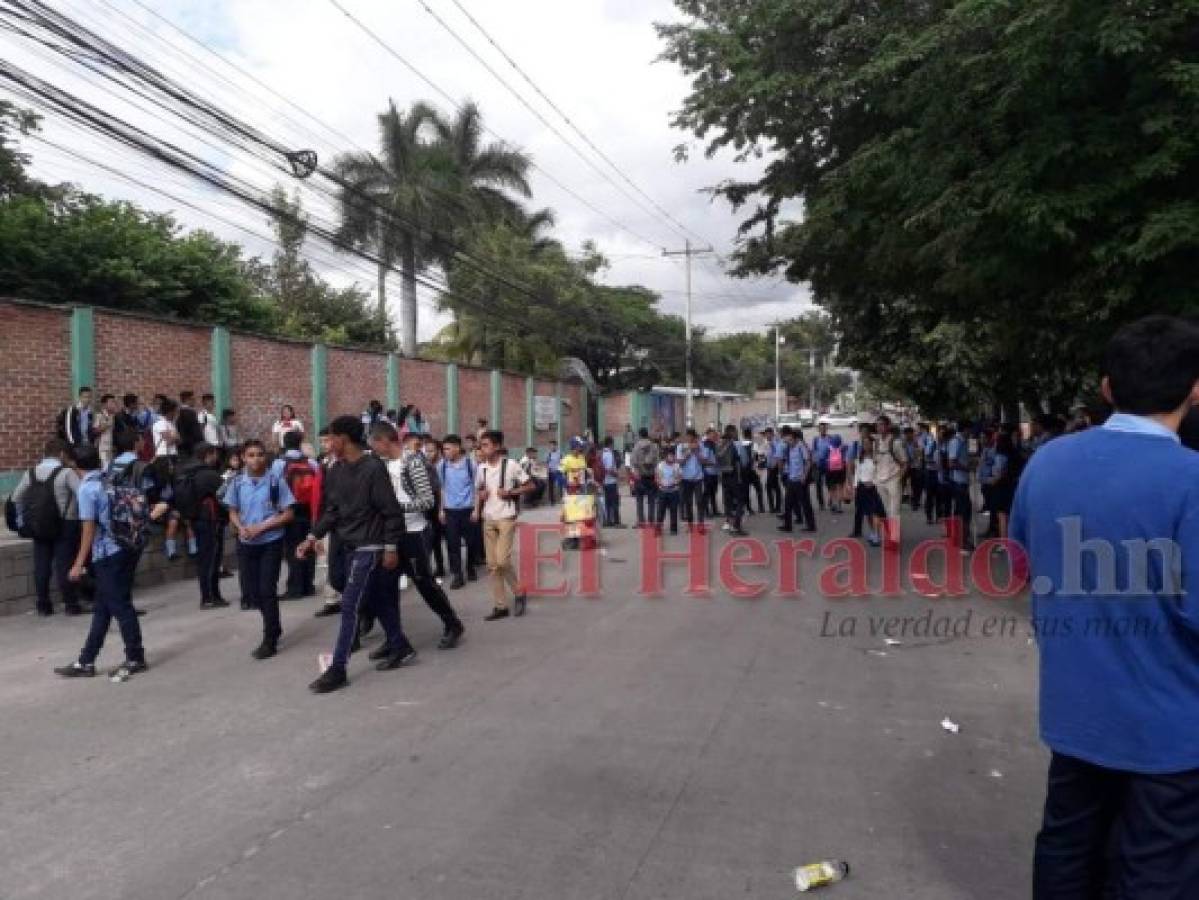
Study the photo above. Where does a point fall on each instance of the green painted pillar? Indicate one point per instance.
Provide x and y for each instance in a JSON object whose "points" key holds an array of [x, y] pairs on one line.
{"points": [[83, 348], [530, 412], [600, 433], [393, 381], [222, 369], [558, 404], [451, 398], [319, 387], [497, 400]]}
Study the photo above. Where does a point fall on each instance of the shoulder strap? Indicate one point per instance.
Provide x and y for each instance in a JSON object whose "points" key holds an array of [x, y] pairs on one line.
{"points": [[504, 474]]}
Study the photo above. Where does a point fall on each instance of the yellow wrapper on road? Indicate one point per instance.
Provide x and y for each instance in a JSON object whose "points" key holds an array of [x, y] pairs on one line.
{"points": [[578, 508]]}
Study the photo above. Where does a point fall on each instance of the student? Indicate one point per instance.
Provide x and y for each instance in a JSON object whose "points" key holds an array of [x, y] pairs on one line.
{"points": [[198, 485], [644, 465], [732, 459], [431, 449], [753, 481], [286, 422], [610, 468], [890, 465], [335, 558], [498, 487], [303, 477], [1001, 482], [687, 454], [75, 422], [112, 566], [553, 464], [834, 473], [456, 472], [229, 432], [48, 514], [957, 456], [536, 473], [776, 457], [929, 471], [187, 424], [707, 457], [209, 421], [103, 426], [820, 448], [260, 508], [668, 479], [868, 506], [1119, 700], [361, 508], [409, 474], [798, 473]]}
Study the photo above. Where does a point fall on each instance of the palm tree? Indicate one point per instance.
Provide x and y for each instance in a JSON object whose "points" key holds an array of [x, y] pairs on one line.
{"points": [[430, 178]]}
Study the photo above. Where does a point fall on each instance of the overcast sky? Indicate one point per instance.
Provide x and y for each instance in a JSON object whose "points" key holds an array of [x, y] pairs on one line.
{"points": [[594, 58]]}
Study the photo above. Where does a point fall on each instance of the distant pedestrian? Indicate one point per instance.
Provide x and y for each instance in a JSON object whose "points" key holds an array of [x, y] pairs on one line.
{"points": [[48, 514], [75, 425], [286, 422]]}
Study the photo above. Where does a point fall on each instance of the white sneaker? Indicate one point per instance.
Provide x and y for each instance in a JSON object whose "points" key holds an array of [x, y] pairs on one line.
{"points": [[403, 582]]}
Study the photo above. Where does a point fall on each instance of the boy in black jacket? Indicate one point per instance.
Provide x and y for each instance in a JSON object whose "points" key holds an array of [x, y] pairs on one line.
{"points": [[197, 486], [361, 509]]}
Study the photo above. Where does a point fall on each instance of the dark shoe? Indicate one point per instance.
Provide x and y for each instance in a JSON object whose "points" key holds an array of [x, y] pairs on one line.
{"points": [[366, 625], [73, 609], [139, 611], [496, 613], [330, 680], [130, 667], [225, 573], [785, 528], [458, 582], [248, 605], [471, 574], [45, 611], [396, 659], [357, 644], [265, 650], [219, 603], [450, 639], [811, 530], [741, 532], [380, 652], [76, 670], [206, 604], [329, 609], [522, 600]]}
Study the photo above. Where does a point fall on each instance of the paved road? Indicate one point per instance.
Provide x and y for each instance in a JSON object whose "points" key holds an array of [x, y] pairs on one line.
{"points": [[616, 747]]}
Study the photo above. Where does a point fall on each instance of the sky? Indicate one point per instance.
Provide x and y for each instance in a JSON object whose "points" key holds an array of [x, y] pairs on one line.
{"points": [[595, 59]]}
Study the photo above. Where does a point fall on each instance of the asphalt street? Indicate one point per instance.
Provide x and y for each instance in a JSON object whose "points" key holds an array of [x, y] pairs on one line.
{"points": [[621, 747]]}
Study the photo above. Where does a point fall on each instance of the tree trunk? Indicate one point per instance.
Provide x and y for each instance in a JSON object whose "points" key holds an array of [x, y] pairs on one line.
{"points": [[383, 293], [408, 300]]}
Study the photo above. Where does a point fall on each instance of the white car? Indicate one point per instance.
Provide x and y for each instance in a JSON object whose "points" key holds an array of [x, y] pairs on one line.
{"points": [[840, 420]]}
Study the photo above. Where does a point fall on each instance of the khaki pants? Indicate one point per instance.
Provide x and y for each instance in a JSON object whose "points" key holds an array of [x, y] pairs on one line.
{"points": [[891, 493], [497, 546]]}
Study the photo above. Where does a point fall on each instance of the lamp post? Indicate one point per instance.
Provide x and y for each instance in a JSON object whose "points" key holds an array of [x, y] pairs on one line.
{"points": [[779, 340]]}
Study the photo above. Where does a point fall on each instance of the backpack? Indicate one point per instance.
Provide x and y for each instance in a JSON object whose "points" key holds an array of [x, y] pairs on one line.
{"points": [[128, 508], [304, 484], [186, 501], [43, 519], [836, 459], [643, 458]]}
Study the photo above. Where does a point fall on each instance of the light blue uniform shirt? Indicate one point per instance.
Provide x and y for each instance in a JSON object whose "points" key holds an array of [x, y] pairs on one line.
{"points": [[553, 461], [611, 463], [797, 460], [251, 497], [957, 452], [458, 482], [708, 459], [93, 507], [928, 444], [778, 451], [693, 469], [820, 449], [986, 464]]}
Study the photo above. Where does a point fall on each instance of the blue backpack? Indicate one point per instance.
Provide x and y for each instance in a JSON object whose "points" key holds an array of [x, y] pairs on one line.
{"points": [[128, 507]]}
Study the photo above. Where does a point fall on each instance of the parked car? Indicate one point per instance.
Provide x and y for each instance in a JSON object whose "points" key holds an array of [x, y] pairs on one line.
{"points": [[840, 420]]}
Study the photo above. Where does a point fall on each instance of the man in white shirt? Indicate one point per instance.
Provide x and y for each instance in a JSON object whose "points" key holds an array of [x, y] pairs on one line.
{"points": [[499, 485], [166, 439], [209, 421]]}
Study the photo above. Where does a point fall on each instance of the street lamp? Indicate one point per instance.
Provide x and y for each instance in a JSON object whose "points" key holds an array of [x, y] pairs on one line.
{"points": [[779, 340]]}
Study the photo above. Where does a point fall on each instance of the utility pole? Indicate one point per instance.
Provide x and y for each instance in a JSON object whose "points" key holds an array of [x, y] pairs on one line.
{"points": [[778, 387], [688, 252]]}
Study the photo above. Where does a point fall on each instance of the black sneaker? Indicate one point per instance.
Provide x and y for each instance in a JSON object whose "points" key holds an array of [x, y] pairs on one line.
{"points": [[139, 611], [329, 609], [265, 650], [450, 639], [496, 613], [380, 652], [45, 611], [73, 609], [247, 605], [76, 670], [207, 604], [458, 582], [219, 603], [130, 667], [522, 600], [396, 659], [330, 680], [471, 574]]}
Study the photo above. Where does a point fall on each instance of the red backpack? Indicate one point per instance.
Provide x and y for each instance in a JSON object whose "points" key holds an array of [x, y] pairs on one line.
{"points": [[304, 482]]}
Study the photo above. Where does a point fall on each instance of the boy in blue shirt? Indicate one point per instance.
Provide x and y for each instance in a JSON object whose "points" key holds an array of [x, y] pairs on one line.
{"points": [[1109, 519], [456, 471], [260, 507], [668, 477], [691, 463]]}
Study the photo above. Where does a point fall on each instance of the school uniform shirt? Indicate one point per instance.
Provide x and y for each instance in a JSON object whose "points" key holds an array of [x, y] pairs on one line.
{"points": [[457, 483], [553, 461], [160, 430], [669, 476], [93, 507], [693, 469], [1118, 680], [707, 456], [986, 465], [928, 446], [797, 460], [611, 464], [820, 448], [251, 497], [489, 477], [281, 428], [957, 451], [778, 452], [864, 473]]}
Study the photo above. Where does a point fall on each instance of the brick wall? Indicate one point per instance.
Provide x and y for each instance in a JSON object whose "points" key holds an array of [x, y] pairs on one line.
{"points": [[616, 416], [267, 374], [423, 383], [35, 372], [512, 409], [543, 388], [352, 379], [474, 401], [148, 357]]}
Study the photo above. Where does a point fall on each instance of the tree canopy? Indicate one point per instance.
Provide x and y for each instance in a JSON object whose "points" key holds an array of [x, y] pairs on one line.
{"points": [[988, 189]]}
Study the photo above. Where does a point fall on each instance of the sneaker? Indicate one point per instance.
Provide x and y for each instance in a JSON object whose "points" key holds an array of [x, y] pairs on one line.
{"points": [[497, 613], [330, 680], [380, 652], [206, 604], [76, 670], [129, 667], [219, 603], [265, 650], [248, 605], [458, 582], [403, 582], [522, 600], [726, 527], [396, 659], [329, 609], [471, 574], [450, 639]]}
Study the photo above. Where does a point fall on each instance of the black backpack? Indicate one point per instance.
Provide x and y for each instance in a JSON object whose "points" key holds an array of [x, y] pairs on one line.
{"points": [[43, 519], [186, 501]]}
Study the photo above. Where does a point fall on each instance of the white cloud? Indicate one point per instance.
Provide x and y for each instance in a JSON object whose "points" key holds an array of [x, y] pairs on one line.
{"points": [[595, 58]]}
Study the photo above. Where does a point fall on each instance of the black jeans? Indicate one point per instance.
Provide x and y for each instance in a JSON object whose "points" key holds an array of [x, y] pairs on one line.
{"points": [[774, 490], [436, 538], [210, 542], [798, 504], [57, 555], [374, 589], [114, 600], [669, 500], [459, 529], [258, 569], [414, 562], [733, 491], [612, 503], [962, 510], [338, 567], [818, 478], [1112, 834], [647, 494], [711, 483], [916, 478], [693, 501], [753, 482], [301, 573]]}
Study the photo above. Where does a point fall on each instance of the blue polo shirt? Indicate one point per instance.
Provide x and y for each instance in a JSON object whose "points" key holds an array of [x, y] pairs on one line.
{"points": [[693, 469], [611, 463], [797, 460], [820, 449], [778, 451], [986, 464], [959, 451], [251, 497], [707, 458], [928, 444], [999, 464], [553, 460], [457, 482], [1119, 682], [93, 507]]}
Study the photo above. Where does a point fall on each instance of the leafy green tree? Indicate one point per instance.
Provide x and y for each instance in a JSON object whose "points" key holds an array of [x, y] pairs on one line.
{"points": [[989, 189]]}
